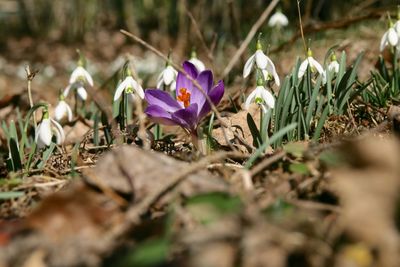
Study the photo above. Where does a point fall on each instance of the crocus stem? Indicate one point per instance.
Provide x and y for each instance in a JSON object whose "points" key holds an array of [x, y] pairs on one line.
{"points": [[158, 131], [199, 143]]}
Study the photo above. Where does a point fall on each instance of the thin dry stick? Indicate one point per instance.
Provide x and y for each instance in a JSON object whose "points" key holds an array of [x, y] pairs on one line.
{"points": [[199, 34], [337, 24], [249, 37], [301, 26], [268, 161], [29, 76], [179, 68]]}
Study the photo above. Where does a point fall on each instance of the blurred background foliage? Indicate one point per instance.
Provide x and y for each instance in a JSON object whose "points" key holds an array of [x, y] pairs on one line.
{"points": [[70, 21]]}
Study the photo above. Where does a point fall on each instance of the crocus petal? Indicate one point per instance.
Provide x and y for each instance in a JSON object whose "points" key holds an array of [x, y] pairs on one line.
{"points": [[261, 59], [82, 93], [190, 69], [60, 136], [162, 99], [250, 99], [43, 134], [248, 66], [205, 80], [383, 41], [392, 37], [187, 117], [159, 115], [183, 82], [303, 68], [121, 87], [215, 96]]}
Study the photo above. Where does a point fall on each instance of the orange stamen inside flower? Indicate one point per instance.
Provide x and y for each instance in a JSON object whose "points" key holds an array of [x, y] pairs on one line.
{"points": [[184, 97]]}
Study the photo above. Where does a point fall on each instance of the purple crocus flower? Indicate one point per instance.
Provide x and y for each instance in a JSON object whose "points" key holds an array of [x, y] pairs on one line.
{"points": [[190, 105]]}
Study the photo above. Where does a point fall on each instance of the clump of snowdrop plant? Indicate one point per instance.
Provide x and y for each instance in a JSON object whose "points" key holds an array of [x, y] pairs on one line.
{"points": [[261, 62], [129, 87], [278, 20], [265, 100], [261, 96], [46, 129], [313, 65], [196, 62], [62, 110], [167, 78]]}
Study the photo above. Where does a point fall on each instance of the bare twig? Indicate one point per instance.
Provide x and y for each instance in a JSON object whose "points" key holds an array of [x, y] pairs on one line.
{"points": [[267, 162], [337, 24], [199, 34], [301, 26], [29, 76], [249, 37]]}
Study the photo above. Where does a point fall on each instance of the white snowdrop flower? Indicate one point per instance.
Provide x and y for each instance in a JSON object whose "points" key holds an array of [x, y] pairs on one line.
{"points": [[62, 110], [45, 131], [79, 77], [396, 27], [129, 85], [314, 66], [167, 78], [390, 37], [196, 62], [80, 74], [278, 20], [263, 62], [334, 64], [260, 96]]}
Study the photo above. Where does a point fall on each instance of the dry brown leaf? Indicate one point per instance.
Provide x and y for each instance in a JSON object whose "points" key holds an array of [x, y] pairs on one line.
{"points": [[131, 170], [238, 124], [368, 190]]}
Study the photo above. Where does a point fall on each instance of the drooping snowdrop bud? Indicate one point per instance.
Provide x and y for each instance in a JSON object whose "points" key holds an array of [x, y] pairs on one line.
{"points": [[62, 110], [390, 37], [278, 20], [314, 66], [333, 65], [45, 130], [260, 96], [167, 78], [78, 79], [129, 85], [263, 62], [196, 62]]}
